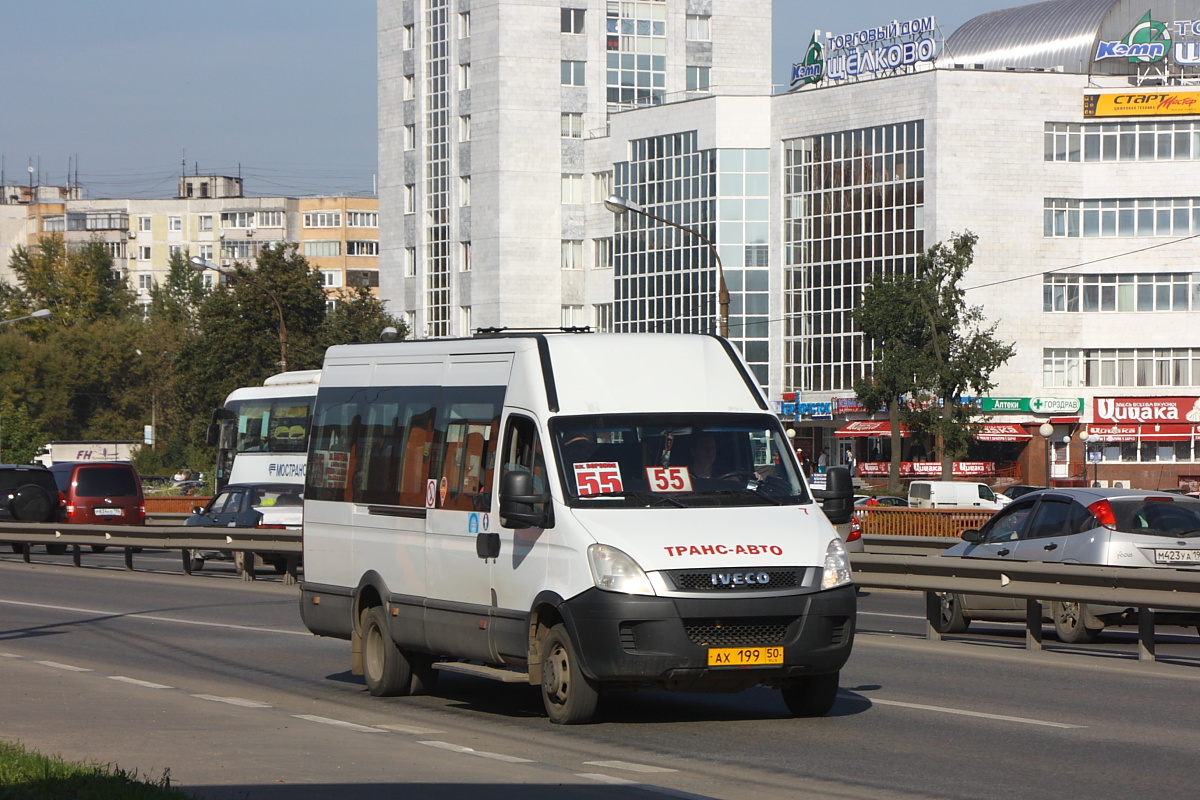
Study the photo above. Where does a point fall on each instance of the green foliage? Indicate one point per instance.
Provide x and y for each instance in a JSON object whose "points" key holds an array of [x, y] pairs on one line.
{"points": [[25, 775], [931, 347], [98, 369]]}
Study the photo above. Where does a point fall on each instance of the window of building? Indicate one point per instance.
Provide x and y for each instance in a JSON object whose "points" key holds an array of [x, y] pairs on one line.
{"points": [[174, 250], [601, 185], [464, 319], [144, 223], [408, 37], [174, 223], [603, 253], [410, 137], [205, 251], [360, 247], [602, 317], [410, 198], [410, 87], [572, 254], [144, 252], [322, 219], [322, 249], [1141, 217], [697, 79], [464, 24], [572, 125], [269, 219], [697, 28], [572, 189], [145, 282], [572, 20], [331, 278], [362, 219], [464, 256], [410, 263], [464, 190], [1126, 292], [1131, 367], [464, 76], [464, 128], [636, 52], [206, 223], [237, 219], [574, 317], [1122, 141], [572, 73]]}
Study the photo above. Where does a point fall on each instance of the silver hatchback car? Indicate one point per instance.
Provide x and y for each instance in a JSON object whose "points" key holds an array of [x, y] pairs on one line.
{"points": [[1104, 527]]}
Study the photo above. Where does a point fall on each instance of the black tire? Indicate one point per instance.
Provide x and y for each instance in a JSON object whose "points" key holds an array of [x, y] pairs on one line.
{"points": [[1070, 623], [811, 696], [99, 548], [56, 549], [31, 503], [385, 669], [950, 617], [192, 561], [570, 698]]}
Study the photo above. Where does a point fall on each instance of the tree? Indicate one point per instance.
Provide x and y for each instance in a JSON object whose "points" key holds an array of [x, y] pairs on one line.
{"points": [[77, 283], [938, 352], [357, 316]]}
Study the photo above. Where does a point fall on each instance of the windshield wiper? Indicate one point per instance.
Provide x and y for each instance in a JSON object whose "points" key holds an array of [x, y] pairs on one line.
{"points": [[746, 491], [647, 497]]}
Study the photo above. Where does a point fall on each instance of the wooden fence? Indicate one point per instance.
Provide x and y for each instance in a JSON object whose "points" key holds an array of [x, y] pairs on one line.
{"points": [[937, 522]]}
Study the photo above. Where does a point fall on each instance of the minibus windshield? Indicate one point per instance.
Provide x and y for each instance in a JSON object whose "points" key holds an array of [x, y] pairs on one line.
{"points": [[677, 460]]}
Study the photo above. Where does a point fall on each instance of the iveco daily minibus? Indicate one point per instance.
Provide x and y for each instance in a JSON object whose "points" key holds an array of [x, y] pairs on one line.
{"points": [[572, 510]]}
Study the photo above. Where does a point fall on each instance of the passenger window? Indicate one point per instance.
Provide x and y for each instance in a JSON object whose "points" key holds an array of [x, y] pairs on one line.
{"points": [[523, 451], [1050, 520], [1081, 519], [1008, 524]]}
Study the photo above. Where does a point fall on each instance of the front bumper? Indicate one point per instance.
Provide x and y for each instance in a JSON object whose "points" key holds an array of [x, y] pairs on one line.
{"points": [[664, 641]]}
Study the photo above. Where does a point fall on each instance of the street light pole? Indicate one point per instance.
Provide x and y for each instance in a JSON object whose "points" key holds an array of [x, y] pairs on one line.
{"points": [[41, 313], [619, 205], [200, 264], [1047, 430]]}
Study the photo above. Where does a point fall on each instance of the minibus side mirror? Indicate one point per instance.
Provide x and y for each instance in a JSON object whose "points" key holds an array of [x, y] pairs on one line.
{"points": [[213, 435], [519, 506], [837, 498]]}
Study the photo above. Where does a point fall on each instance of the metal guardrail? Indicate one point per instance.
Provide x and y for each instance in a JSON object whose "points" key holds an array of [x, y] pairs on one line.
{"points": [[244, 541], [1143, 588]]}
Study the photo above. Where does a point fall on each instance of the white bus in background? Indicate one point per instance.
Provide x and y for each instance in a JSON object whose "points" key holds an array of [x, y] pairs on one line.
{"points": [[261, 433]]}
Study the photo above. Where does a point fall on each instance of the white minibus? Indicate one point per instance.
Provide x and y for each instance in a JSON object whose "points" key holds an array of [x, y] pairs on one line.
{"points": [[576, 511]]}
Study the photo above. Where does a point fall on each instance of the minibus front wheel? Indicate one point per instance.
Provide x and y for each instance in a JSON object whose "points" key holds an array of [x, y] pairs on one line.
{"points": [[385, 669], [812, 695], [570, 698]]}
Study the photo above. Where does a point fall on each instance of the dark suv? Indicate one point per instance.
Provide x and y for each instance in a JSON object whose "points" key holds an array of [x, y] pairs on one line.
{"points": [[29, 494]]}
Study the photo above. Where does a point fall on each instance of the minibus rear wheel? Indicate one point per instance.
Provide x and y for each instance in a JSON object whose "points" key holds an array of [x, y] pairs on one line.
{"points": [[385, 669], [812, 695], [570, 698]]}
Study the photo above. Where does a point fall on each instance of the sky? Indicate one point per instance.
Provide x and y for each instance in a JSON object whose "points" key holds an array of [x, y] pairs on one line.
{"points": [[124, 94]]}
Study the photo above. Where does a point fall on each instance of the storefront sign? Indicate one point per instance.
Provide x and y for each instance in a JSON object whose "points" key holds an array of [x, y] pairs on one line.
{"points": [[866, 53], [1129, 410], [1031, 405], [928, 469], [848, 405], [1153, 41], [1142, 104]]}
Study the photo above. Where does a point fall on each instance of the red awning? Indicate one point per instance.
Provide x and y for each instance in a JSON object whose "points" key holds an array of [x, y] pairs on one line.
{"points": [[869, 427], [1002, 432], [1168, 432]]}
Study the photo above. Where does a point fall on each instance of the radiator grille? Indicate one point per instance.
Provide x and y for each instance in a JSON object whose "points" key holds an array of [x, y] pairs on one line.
{"points": [[711, 580], [738, 632]]}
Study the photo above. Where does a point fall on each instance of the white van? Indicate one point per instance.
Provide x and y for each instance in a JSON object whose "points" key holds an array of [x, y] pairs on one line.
{"points": [[550, 509], [954, 494]]}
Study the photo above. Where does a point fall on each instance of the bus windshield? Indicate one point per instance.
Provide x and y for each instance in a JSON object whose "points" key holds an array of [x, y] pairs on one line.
{"points": [[276, 425], [678, 460]]}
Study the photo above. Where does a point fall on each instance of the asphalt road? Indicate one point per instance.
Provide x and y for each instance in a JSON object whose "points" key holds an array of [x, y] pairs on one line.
{"points": [[216, 680]]}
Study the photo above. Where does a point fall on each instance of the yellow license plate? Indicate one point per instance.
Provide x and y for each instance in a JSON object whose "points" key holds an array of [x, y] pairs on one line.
{"points": [[744, 656]]}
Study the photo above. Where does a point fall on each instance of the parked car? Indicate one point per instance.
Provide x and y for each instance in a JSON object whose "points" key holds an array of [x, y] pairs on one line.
{"points": [[885, 500], [250, 505], [954, 494], [1019, 490], [99, 493], [29, 494], [1104, 527]]}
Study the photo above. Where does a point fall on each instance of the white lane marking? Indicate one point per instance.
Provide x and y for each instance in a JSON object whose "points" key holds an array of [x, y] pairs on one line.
{"points": [[155, 618], [10, 655], [626, 765], [645, 787], [408, 729], [233, 701], [962, 713], [894, 616], [454, 748], [136, 682], [57, 665], [337, 723]]}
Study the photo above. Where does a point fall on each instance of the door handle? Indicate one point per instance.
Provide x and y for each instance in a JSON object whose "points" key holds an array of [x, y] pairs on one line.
{"points": [[1051, 546], [1003, 552], [487, 545]]}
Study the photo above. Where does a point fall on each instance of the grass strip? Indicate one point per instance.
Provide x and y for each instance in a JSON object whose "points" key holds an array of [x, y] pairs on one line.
{"points": [[26, 775]]}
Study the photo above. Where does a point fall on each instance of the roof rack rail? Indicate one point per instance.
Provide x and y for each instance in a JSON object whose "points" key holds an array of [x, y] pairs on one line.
{"points": [[526, 331]]}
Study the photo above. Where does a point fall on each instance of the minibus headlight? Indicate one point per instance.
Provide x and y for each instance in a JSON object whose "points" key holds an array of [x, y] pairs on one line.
{"points": [[613, 571], [837, 566]]}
